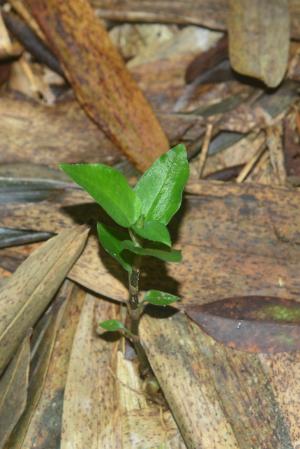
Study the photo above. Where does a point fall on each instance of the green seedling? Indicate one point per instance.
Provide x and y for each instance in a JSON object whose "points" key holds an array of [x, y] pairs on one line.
{"points": [[141, 215]]}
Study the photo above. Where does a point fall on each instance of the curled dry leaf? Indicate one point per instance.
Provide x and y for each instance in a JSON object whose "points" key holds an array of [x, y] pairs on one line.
{"points": [[251, 323]]}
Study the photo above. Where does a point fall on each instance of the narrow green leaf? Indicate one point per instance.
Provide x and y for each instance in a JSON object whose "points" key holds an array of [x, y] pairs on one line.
{"points": [[109, 188], [111, 239], [170, 255], [155, 231], [158, 298], [112, 325], [160, 188]]}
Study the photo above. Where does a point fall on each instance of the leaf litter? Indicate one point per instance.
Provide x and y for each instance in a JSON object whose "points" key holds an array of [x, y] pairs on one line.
{"points": [[240, 239]]}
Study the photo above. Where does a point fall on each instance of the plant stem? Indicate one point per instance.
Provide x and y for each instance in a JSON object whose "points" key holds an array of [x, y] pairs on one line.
{"points": [[135, 311]]}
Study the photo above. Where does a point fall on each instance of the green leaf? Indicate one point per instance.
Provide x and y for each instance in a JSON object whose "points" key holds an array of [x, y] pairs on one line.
{"points": [[155, 231], [160, 188], [170, 255], [109, 188], [111, 239], [112, 325], [158, 298]]}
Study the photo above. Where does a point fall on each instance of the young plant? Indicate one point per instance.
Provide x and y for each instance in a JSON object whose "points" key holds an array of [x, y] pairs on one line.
{"points": [[142, 215]]}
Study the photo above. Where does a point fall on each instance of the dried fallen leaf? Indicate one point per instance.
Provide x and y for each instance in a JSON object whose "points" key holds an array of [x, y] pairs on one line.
{"points": [[98, 75], [40, 425], [119, 415], [220, 398], [13, 390], [259, 39], [251, 323], [29, 290]]}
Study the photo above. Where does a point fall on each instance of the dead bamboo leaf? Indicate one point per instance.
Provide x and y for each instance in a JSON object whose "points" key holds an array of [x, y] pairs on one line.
{"points": [[251, 323], [259, 39], [102, 84], [219, 397], [40, 424], [104, 405], [13, 390], [30, 289]]}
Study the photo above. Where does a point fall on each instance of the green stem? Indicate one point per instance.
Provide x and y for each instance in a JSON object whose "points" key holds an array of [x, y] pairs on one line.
{"points": [[135, 310]]}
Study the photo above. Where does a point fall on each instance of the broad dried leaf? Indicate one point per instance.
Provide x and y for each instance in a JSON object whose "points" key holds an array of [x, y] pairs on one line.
{"points": [[99, 77], [259, 39], [251, 323], [13, 390], [29, 290], [54, 134], [196, 374], [43, 413]]}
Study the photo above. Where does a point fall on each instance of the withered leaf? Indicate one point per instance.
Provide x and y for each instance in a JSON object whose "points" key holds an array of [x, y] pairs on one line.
{"points": [[251, 323], [100, 79], [219, 397], [29, 290], [259, 39], [49, 367], [13, 390]]}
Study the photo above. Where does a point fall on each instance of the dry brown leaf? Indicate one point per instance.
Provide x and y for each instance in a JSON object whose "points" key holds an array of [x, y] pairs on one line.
{"points": [[13, 390], [259, 39], [40, 425], [31, 132], [102, 84], [236, 240], [104, 405], [220, 398], [29, 290]]}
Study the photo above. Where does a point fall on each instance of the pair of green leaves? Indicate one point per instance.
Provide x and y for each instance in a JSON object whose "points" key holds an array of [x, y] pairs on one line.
{"points": [[154, 297], [145, 210]]}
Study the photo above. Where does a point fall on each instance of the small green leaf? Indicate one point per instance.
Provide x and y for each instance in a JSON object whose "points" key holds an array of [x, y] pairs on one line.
{"points": [[155, 231], [111, 239], [109, 188], [170, 255], [160, 188], [158, 298], [112, 325]]}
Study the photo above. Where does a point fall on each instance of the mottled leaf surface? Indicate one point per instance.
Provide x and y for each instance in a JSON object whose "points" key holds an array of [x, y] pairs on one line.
{"points": [[251, 323]]}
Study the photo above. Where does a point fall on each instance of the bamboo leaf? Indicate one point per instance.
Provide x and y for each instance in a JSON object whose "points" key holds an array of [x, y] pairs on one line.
{"points": [[29, 290], [13, 390]]}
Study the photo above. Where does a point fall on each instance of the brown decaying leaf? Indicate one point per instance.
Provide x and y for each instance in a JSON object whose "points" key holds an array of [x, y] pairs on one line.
{"points": [[102, 84], [31, 132], [251, 323], [40, 425], [63, 133], [220, 398], [291, 146], [29, 290], [208, 13], [103, 403], [13, 390], [236, 240], [256, 32]]}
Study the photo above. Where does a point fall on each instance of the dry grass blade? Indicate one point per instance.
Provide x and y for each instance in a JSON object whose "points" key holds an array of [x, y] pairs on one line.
{"points": [[43, 413], [100, 78], [211, 389], [30, 289], [13, 390], [104, 404]]}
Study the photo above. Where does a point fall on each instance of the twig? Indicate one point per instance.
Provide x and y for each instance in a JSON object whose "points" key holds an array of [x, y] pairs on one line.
{"points": [[249, 166], [204, 151]]}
